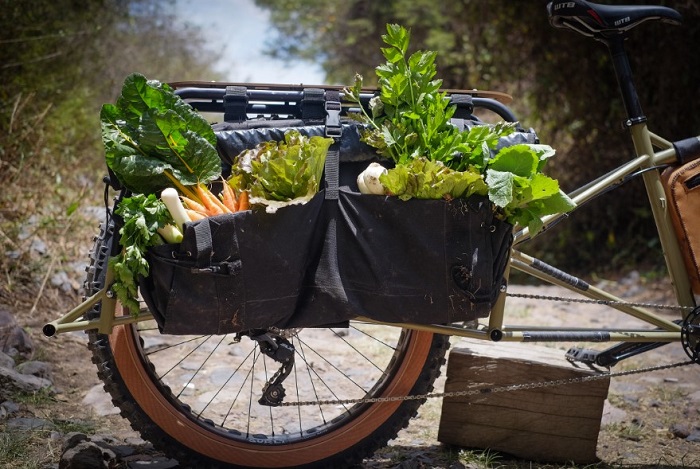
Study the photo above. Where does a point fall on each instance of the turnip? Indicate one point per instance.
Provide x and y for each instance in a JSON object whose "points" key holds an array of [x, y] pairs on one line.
{"points": [[368, 180]]}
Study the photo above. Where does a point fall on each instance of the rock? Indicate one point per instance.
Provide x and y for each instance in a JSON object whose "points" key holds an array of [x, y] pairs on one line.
{"points": [[12, 382], [6, 361], [695, 397], [28, 423], [612, 414], [9, 407], [87, 455], [104, 451], [100, 401], [13, 339], [146, 462], [35, 368], [73, 439], [680, 430]]}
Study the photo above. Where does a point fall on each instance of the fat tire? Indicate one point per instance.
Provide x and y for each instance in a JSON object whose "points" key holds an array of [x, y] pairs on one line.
{"points": [[107, 360]]}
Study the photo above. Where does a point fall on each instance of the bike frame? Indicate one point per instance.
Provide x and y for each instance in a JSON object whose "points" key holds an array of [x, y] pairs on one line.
{"points": [[668, 331], [646, 161]]}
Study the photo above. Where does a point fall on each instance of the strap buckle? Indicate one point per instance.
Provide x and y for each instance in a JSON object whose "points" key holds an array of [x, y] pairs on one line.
{"points": [[333, 127]]}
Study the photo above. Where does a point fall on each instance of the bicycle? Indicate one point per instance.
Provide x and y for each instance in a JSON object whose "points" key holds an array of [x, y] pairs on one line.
{"points": [[195, 396]]}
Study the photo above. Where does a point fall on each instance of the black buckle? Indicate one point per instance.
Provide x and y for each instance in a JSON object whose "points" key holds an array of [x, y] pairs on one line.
{"points": [[333, 127]]}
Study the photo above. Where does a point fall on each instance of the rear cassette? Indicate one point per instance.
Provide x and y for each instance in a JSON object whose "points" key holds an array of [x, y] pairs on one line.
{"points": [[690, 335]]}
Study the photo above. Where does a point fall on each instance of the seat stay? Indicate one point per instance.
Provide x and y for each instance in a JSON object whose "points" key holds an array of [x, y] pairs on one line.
{"points": [[605, 21]]}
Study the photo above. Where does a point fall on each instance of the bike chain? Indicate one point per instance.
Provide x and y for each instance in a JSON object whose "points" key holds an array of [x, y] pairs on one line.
{"points": [[599, 302], [488, 390], [523, 386]]}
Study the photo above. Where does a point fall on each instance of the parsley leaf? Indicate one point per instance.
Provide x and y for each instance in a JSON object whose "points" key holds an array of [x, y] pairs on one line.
{"points": [[142, 216]]}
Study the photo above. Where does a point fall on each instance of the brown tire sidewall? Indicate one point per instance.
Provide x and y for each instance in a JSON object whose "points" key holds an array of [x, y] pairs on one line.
{"points": [[170, 419]]}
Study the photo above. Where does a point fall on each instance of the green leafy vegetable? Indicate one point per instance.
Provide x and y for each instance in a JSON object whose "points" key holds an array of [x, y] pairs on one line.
{"points": [[143, 215], [410, 123], [285, 171], [154, 140], [425, 179], [411, 117], [516, 185]]}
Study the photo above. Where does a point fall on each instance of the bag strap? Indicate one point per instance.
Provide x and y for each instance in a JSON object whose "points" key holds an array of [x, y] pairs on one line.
{"points": [[203, 241], [333, 130], [235, 104]]}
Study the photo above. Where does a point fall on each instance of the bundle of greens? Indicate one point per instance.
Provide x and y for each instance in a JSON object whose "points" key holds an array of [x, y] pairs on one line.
{"points": [[156, 144], [153, 141], [409, 123], [280, 173]]}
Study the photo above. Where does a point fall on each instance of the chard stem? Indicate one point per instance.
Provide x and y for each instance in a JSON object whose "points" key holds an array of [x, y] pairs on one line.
{"points": [[187, 192]]}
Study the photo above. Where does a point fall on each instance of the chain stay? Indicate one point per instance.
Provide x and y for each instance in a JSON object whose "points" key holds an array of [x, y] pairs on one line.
{"points": [[524, 386]]}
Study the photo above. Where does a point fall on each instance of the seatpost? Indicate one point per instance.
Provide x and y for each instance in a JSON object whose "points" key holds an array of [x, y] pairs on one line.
{"points": [[623, 72]]}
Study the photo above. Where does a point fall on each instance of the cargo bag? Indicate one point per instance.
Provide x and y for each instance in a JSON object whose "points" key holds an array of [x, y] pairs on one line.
{"points": [[682, 187], [339, 256]]}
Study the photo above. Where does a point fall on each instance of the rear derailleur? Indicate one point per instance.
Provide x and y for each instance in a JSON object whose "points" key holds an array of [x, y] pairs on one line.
{"points": [[282, 351]]}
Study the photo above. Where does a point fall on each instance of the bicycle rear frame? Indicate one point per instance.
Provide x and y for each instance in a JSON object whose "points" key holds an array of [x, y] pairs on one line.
{"points": [[646, 160]]}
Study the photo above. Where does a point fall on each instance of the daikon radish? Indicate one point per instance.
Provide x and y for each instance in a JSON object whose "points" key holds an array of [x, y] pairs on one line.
{"points": [[171, 199]]}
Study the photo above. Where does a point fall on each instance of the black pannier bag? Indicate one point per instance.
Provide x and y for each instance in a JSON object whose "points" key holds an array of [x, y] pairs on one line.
{"points": [[339, 256]]}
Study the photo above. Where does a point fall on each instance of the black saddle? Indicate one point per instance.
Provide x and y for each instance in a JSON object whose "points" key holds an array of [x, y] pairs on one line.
{"points": [[605, 21]]}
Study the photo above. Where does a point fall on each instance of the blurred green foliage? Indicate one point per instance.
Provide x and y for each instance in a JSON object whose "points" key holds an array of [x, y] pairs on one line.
{"points": [[60, 60]]}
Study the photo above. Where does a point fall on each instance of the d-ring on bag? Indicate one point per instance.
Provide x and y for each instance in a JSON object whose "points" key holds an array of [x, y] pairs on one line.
{"points": [[341, 255]]}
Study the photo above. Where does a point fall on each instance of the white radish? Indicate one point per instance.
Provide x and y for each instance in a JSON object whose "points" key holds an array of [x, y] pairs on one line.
{"points": [[171, 199], [368, 180], [361, 184]]}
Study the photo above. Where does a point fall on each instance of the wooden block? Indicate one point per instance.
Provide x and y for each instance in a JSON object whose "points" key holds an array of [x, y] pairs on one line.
{"points": [[549, 424]]}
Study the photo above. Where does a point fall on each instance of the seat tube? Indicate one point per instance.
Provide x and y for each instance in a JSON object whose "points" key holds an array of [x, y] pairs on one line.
{"points": [[667, 237], [636, 121]]}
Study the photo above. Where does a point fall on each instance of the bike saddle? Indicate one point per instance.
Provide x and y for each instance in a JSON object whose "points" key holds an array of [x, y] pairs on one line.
{"points": [[601, 21]]}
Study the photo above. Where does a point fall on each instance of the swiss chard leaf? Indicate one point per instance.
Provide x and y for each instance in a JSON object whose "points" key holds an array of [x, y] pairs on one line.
{"points": [[151, 136]]}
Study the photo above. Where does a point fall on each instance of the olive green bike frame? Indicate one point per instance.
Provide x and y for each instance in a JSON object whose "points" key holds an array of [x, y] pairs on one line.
{"points": [[660, 328]]}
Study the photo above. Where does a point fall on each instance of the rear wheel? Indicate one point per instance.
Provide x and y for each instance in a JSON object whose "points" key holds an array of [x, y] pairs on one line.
{"points": [[196, 397]]}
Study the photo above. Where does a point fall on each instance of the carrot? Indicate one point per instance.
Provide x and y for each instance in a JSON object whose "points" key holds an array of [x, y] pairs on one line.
{"points": [[203, 195], [216, 201], [195, 214], [229, 198], [193, 205], [243, 202]]}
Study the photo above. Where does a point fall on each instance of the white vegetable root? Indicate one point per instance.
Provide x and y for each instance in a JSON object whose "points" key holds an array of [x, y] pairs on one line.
{"points": [[368, 180], [171, 199], [170, 234]]}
